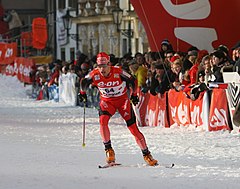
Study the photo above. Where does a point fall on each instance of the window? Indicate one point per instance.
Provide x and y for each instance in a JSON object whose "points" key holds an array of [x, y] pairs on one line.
{"points": [[124, 46], [73, 3], [63, 54], [61, 4], [72, 54]]}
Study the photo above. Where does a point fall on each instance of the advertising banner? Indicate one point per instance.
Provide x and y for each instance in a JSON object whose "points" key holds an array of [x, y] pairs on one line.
{"points": [[202, 23]]}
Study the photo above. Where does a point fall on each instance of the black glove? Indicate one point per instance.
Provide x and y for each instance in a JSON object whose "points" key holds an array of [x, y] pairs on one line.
{"points": [[82, 97], [134, 99]]}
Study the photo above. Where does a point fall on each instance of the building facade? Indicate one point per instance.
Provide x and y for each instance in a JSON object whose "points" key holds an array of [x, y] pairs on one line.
{"points": [[93, 29]]}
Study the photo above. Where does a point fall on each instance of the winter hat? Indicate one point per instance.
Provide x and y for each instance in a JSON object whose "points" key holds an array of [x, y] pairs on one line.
{"points": [[84, 66], [175, 57], [165, 42], [201, 73], [219, 54], [224, 49], [102, 58]]}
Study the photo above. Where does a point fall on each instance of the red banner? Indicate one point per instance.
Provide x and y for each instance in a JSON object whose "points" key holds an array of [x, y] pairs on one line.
{"points": [[218, 116], [202, 23], [179, 107], [196, 111], [39, 33], [8, 52], [157, 111], [152, 111]]}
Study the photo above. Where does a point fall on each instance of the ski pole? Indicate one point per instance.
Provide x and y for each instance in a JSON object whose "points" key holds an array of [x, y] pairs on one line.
{"points": [[84, 125]]}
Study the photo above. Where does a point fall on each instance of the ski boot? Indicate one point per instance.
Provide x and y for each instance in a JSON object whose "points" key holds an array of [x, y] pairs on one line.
{"points": [[149, 159], [110, 155]]}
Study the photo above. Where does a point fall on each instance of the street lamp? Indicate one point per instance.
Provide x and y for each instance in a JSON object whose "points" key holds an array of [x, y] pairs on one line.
{"points": [[67, 21], [117, 14], [117, 17]]}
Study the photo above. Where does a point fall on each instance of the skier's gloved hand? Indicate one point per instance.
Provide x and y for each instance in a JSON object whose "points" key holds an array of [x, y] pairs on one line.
{"points": [[82, 97], [134, 99]]}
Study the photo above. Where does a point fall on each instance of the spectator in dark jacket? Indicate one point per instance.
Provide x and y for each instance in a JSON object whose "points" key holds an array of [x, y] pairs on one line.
{"points": [[218, 60]]}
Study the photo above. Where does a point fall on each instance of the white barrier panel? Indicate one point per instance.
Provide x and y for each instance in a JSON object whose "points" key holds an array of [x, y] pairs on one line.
{"points": [[233, 92], [67, 89]]}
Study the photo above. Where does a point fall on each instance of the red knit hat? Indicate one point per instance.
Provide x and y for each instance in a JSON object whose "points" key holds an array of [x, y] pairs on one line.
{"points": [[102, 58], [175, 57]]}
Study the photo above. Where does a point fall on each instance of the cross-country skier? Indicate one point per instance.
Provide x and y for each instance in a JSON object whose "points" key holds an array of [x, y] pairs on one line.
{"points": [[113, 82]]}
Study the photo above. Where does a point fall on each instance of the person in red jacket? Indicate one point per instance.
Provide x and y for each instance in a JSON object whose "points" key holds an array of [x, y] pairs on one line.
{"points": [[112, 83]]}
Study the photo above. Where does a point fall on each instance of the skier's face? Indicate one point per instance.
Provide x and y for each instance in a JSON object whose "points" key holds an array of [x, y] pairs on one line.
{"points": [[104, 69]]}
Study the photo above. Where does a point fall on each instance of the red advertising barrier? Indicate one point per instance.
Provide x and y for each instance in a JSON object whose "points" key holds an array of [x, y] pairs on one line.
{"points": [[186, 23], [20, 68], [8, 52], [157, 111], [219, 115], [152, 111], [196, 110], [179, 107], [184, 111]]}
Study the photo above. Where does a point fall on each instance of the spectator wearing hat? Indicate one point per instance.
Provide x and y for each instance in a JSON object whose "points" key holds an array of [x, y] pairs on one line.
{"points": [[228, 59], [201, 76], [199, 87], [139, 72], [156, 77], [165, 46], [218, 61], [175, 57]]}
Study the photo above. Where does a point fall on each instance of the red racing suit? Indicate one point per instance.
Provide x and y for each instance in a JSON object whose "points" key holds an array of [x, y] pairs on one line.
{"points": [[113, 97]]}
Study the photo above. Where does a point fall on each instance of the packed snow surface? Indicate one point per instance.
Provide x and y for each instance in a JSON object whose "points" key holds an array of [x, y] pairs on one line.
{"points": [[41, 148]]}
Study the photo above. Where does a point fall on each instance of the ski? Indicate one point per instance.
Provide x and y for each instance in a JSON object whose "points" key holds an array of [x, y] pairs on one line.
{"points": [[161, 165], [166, 165], [169, 166], [108, 165]]}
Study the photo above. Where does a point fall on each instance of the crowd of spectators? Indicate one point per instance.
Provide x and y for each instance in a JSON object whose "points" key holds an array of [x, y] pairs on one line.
{"points": [[156, 72]]}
